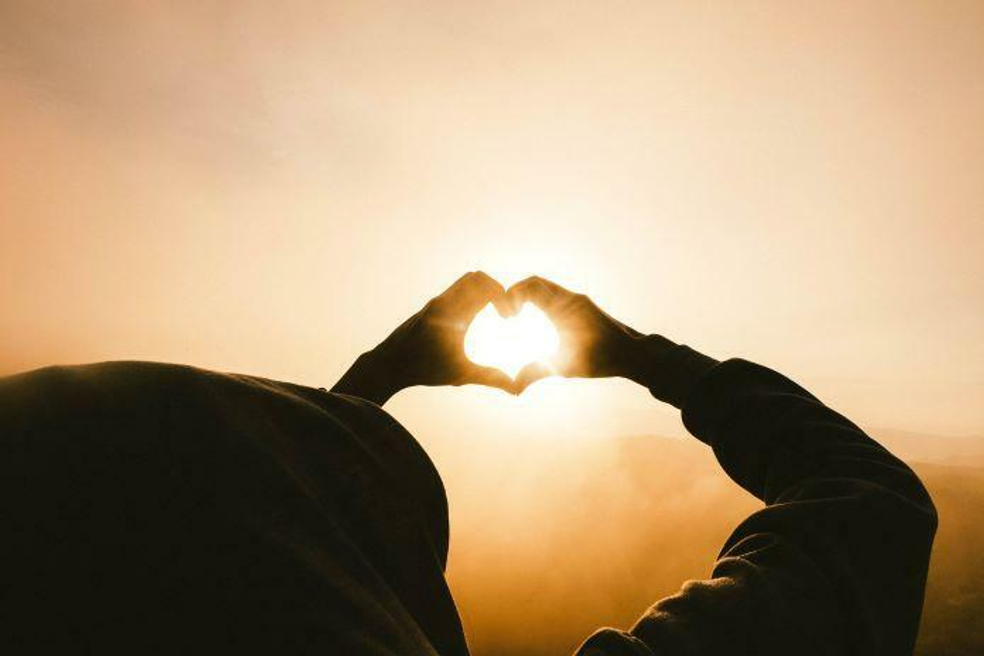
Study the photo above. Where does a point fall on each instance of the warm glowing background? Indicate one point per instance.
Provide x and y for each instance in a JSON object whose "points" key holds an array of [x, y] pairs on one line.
{"points": [[271, 187]]}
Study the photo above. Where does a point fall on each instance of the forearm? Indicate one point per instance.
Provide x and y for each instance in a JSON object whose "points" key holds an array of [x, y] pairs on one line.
{"points": [[669, 370], [771, 435], [767, 431], [370, 377]]}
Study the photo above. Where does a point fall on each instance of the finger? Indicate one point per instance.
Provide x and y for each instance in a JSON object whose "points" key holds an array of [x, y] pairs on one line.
{"points": [[475, 290], [544, 293], [466, 284], [490, 377], [457, 284], [498, 298], [504, 306], [530, 374], [481, 290]]}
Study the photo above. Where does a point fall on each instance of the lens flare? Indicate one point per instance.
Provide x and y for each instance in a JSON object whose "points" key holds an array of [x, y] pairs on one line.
{"points": [[508, 344]]}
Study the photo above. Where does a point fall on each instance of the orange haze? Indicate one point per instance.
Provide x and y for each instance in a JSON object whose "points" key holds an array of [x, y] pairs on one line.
{"points": [[271, 187]]}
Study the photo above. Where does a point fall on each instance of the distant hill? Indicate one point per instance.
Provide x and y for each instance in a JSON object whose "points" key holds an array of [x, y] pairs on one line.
{"points": [[945, 450], [572, 539], [952, 468], [954, 605]]}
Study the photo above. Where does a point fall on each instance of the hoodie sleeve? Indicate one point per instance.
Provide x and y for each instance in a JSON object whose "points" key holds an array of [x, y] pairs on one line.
{"points": [[836, 561]]}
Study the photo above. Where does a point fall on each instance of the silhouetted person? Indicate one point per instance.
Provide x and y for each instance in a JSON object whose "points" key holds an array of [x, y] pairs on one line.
{"points": [[160, 508]]}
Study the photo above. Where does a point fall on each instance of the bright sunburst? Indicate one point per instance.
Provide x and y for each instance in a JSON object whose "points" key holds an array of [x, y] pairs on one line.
{"points": [[508, 344]]}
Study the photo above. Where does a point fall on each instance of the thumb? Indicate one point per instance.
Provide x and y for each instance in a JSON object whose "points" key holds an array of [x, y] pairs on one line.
{"points": [[529, 374], [490, 377]]}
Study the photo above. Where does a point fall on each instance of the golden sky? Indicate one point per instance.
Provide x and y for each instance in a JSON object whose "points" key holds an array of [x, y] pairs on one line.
{"points": [[271, 187]]}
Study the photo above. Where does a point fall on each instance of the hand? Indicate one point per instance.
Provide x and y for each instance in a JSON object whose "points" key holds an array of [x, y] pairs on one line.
{"points": [[592, 344], [429, 347]]}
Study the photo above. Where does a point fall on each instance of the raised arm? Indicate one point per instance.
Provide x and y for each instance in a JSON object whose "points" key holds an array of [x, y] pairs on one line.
{"points": [[835, 563]]}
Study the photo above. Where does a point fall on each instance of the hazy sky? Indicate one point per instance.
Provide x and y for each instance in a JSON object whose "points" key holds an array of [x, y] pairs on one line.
{"points": [[271, 187]]}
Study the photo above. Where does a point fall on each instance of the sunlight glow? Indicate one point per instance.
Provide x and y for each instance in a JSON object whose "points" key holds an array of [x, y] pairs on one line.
{"points": [[508, 344]]}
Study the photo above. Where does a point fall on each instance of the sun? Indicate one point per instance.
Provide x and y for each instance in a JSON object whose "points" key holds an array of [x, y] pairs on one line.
{"points": [[508, 344]]}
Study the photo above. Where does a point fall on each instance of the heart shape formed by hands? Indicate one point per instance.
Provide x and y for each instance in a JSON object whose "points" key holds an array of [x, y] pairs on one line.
{"points": [[509, 344]]}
